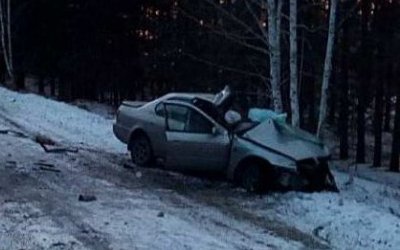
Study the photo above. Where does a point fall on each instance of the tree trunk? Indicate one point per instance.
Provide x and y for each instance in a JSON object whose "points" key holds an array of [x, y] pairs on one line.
{"points": [[41, 85], [388, 110], [388, 102], [274, 15], [63, 89], [332, 96], [294, 96], [394, 159], [344, 94], [363, 82], [327, 66], [378, 115], [9, 35], [383, 72], [312, 112], [360, 151], [20, 81], [310, 93], [6, 53], [52, 86]]}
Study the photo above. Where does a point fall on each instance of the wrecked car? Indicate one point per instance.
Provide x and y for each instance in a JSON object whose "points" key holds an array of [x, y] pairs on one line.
{"points": [[200, 132]]}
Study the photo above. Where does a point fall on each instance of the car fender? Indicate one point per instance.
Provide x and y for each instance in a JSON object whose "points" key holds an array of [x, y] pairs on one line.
{"points": [[243, 149], [134, 130], [156, 135]]}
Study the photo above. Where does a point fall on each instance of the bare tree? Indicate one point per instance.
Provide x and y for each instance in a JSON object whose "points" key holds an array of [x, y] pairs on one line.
{"points": [[268, 44], [344, 87], [10, 54], [5, 23], [255, 37], [395, 156], [274, 8], [294, 97], [327, 65]]}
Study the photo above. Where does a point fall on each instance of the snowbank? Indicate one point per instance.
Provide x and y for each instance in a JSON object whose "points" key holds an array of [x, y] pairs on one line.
{"points": [[63, 122], [365, 215]]}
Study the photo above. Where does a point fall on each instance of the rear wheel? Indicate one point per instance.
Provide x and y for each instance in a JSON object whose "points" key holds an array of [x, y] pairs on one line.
{"points": [[141, 151]]}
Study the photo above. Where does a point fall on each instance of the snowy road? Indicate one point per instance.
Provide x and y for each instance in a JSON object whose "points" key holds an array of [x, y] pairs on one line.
{"points": [[153, 209]]}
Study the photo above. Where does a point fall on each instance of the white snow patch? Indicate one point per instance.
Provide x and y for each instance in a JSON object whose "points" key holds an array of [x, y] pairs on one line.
{"points": [[23, 226], [365, 215], [63, 122]]}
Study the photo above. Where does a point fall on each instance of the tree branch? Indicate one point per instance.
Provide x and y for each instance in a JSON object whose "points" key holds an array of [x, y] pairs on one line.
{"points": [[227, 68]]}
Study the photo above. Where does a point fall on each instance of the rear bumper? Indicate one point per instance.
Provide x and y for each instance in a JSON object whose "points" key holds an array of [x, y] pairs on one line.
{"points": [[121, 133]]}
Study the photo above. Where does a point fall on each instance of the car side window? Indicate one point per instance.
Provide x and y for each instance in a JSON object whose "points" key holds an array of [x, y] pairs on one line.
{"points": [[176, 117], [184, 119], [197, 123], [160, 110]]}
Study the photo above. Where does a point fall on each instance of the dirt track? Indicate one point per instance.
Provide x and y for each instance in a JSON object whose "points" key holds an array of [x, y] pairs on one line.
{"points": [[212, 204]]}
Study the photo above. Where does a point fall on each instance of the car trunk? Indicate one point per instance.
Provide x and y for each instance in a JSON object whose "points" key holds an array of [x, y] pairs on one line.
{"points": [[133, 104]]}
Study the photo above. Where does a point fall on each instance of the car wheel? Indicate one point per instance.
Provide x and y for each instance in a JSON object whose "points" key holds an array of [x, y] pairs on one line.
{"points": [[141, 151], [253, 179]]}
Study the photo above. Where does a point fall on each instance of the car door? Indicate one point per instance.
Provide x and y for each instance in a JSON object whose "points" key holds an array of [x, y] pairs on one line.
{"points": [[194, 141]]}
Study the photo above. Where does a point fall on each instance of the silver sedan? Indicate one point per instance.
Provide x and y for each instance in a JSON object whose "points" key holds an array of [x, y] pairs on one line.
{"points": [[195, 132]]}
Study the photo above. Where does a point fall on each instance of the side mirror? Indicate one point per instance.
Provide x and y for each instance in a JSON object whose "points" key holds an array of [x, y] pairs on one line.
{"points": [[232, 117]]}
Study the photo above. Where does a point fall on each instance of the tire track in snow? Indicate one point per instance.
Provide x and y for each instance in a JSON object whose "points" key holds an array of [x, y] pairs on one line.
{"points": [[200, 194], [22, 188]]}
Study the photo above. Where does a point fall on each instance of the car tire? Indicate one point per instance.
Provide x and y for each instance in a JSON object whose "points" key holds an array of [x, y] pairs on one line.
{"points": [[253, 179], [141, 151]]}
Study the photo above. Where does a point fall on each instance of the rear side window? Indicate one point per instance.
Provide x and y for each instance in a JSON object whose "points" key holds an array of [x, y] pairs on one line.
{"points": [[160, 111]]}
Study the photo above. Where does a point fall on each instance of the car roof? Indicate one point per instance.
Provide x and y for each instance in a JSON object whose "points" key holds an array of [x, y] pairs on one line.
{"points": [[189, 96]]}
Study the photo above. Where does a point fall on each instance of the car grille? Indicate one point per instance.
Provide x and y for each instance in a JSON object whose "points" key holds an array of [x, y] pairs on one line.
{"points": [[313, 167]]}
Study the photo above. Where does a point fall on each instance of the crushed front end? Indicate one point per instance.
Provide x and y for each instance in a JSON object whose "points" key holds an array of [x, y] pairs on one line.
{"points": [[317, 175]]}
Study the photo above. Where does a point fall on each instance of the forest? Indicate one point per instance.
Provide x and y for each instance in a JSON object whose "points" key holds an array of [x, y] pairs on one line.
{"points": [[331, 65]]}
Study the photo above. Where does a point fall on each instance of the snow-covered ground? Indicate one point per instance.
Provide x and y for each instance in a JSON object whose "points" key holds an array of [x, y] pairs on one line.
{"points": [[154, 209], [61, 121]]}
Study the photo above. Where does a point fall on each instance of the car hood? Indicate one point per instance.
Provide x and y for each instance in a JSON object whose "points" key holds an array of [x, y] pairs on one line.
{"points": [[293, 143]]}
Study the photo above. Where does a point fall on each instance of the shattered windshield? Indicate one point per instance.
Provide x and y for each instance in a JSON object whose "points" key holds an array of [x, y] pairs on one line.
{"points": [[210, 109]]}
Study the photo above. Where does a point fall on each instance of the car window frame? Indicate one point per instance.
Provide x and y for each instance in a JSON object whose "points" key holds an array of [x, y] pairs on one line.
{"points": [[156, 108], [191, 108]]}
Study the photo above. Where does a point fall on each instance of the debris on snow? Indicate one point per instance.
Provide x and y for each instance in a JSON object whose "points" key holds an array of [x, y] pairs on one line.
{"points": [[87, 198], [138, 174], [44, 140], [47, 167], [13, 132], [128, 165], [58, 149]]}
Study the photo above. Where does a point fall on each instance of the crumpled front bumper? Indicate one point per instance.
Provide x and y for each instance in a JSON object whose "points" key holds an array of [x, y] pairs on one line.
{"points": [[317, 174], [309, 175]]}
